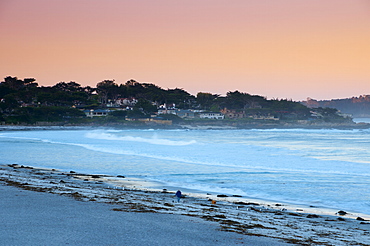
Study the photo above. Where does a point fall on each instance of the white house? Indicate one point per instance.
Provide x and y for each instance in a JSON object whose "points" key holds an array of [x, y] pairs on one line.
{"points": [[166, 111], [126, 101], [212, 115], [96, 112]]}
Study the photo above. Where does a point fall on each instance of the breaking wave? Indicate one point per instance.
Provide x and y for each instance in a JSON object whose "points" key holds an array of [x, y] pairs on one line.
{"points": [[153, 140]]}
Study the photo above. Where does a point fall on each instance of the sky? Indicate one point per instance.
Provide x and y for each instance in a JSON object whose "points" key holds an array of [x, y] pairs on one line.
{"points": [[291, 49]]}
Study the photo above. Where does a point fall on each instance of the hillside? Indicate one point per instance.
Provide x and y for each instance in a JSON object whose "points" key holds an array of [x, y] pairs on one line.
{"points": [[132, 102], [358, 107]]}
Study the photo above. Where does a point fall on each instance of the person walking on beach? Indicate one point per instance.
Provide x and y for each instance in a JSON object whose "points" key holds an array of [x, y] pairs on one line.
{"points": [[178, 195]]}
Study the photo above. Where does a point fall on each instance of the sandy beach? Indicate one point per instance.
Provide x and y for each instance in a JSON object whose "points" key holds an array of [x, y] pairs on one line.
{"points": [[105, 210]]}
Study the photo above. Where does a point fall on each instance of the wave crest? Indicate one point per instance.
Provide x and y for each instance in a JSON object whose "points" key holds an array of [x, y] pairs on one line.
{"points": [[153, 140]]}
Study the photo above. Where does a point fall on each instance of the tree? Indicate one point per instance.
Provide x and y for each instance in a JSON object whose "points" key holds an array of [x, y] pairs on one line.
{"points": [[106, 89], [68, 87], [17, 84], [145, 106], [206, 100]]}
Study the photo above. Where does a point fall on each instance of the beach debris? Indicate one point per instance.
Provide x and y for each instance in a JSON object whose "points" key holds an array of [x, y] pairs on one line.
{"points": [[313, 216], [254, 219], [247, 203], [213, 201], [341, 212]]}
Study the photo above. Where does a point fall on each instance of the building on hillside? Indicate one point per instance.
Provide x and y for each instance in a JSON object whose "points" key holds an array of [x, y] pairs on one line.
{"points": [[124, 102], [264, 117], [212, 115], [185, 114], [96, 112], [166, 111], [233, 114]]}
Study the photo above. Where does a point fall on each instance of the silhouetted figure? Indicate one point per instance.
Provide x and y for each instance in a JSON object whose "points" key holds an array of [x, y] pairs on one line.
{"points": [[178, 195]]}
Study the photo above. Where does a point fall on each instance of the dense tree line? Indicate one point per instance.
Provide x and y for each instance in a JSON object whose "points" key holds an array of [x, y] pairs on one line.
{"points": [[24, 101]]}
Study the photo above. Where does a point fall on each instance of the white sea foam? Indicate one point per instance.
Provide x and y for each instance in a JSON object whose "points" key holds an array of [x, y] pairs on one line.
{"points": [[314, 167], [153, 140]]}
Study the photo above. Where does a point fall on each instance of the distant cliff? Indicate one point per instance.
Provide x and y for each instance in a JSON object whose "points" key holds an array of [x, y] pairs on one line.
{"points": [[356, 106]]}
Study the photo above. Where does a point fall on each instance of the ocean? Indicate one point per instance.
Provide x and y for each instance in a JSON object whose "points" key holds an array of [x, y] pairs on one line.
{"points": [[321, 168]]}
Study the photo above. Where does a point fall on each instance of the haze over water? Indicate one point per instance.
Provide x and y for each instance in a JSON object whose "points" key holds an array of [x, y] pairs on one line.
{"points": [[323, 168]]}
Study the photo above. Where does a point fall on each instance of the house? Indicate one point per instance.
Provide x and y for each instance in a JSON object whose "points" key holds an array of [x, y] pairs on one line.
{"points": [[96, 112], [122, 102], [264, 117], [166, 111], [185, 114], [233, 114], [212, 115]]}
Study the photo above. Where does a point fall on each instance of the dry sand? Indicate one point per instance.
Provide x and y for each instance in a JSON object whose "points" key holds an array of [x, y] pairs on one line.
{"points": [[121, 214]]}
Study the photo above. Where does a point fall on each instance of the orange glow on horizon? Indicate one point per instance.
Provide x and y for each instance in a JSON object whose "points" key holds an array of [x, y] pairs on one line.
{"points": [[292, 49]]}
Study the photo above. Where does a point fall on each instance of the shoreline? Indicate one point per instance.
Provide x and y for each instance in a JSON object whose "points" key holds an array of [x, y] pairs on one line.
{"points": [[211, 125], [154, 186], [302, 225]]}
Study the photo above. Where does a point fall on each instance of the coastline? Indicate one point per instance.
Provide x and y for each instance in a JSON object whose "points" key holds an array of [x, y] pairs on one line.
{"points": [[301, 225], [191, 125]]}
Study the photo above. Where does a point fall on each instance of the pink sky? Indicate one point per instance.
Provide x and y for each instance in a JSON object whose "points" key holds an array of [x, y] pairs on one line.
{"points": [[275, 48]]}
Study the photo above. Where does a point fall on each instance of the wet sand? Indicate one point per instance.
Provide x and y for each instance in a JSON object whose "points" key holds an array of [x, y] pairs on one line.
{"points": [[37, 218]]}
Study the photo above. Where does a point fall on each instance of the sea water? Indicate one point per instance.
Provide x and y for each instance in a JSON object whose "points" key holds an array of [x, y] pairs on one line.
{"points": [[321, 168]]}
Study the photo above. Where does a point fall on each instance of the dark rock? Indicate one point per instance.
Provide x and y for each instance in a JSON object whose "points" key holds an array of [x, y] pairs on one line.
{"points": [[247, 203], [121, 176], [341, 219], [222, 196], [294, 214], [313, 216], [341, 212], [95, 176], [72, 172], [359, 218], [237, 196], [62, 181], [278, 205], [221, 216]]}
